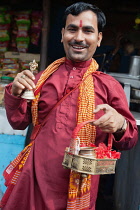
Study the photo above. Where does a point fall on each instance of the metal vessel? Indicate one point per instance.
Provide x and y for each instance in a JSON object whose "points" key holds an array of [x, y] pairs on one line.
{"points": [[134, 68]]}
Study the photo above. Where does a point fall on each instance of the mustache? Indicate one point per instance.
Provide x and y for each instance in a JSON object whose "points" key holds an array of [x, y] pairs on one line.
{"points": [[80, 44]]}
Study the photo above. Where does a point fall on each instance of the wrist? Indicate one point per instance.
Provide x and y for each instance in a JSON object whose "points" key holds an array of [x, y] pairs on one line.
{"points": [[123, 128]]}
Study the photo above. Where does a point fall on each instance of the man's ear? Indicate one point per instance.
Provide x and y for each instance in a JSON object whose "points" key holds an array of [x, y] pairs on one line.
{"points": [[62, 33], [100, 36]]}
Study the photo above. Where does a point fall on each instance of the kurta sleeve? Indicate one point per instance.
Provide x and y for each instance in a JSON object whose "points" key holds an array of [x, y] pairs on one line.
{"points": [[118, 101], [17, 109], [110, 91]]}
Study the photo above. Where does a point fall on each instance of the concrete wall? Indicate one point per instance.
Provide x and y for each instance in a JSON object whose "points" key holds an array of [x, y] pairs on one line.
{"points": [[10, 146], [11, 143]]}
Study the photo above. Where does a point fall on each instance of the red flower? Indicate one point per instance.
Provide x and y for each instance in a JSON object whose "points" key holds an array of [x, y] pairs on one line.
{"points": [[102, 151]]}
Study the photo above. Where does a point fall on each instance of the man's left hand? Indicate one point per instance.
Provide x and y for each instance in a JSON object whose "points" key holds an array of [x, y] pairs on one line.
{"points": [[111, 121]]}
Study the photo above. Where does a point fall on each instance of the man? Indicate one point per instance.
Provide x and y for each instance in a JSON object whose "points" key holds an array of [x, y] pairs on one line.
{"points": [[40, 182]]}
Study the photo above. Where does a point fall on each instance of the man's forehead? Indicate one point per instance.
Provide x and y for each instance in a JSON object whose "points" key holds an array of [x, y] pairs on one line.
{"points": [[85, 18]]}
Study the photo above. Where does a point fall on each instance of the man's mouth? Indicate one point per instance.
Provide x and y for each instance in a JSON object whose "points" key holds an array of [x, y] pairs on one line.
{"points": [[77, 47]]}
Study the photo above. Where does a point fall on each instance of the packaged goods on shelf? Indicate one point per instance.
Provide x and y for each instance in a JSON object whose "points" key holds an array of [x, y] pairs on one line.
{"points": [[4, 43], [9, 67], [14, 62], [36, 26], [19, 29], [11, 64], [20, 34], [23, 24], [4, 80], [5, 21], [22, 44], [9, 60]]}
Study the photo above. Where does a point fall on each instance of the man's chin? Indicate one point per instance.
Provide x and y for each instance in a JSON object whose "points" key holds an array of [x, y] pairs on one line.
{"points": [[77, 58]]}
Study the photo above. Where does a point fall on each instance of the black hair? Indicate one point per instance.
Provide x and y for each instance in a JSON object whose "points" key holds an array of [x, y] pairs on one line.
{"points": [[79, 7]]}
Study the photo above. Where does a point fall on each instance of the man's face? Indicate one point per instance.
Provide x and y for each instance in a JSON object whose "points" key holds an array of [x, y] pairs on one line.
{"points": [[80, 36]]}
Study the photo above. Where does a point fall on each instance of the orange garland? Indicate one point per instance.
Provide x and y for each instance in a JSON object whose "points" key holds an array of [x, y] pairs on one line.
{"points": [[79, 188]]}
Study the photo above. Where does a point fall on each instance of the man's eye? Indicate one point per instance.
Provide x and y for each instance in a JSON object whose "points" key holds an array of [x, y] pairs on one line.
{"points": [[88, 31], [72, 29]]}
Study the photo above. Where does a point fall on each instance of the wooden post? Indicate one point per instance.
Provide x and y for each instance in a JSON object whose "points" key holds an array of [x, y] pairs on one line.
{"points": [[45, 33], [43, 54]]}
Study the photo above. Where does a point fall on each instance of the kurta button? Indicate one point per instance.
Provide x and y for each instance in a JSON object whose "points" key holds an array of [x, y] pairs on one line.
{"points": [[74, 68], [71, 77]]}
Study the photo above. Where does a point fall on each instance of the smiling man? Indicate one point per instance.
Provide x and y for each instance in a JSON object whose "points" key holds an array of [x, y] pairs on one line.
{"points": [[69, 91], [80, 36]]}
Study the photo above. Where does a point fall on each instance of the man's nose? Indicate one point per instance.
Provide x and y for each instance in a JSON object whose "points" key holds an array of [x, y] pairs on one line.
{"points": [[79, 36]]}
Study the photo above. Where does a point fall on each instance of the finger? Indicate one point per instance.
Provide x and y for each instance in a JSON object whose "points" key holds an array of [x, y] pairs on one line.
{"points": [[106, 119], [102, 121], [107, 130], [29, 74], [17, 89], [107, 127], [25, 78], [103, 107], [26, 82], [110, 127]]}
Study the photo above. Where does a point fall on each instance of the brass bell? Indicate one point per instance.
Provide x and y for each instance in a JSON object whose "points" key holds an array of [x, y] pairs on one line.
{"points": [[29, 94]]}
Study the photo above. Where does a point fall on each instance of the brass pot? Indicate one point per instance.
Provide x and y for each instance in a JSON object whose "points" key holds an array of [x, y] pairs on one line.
{"points": [[87, 151]]}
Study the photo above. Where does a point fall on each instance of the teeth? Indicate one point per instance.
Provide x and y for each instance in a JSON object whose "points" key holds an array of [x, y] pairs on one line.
{"points": [[77, 47]]}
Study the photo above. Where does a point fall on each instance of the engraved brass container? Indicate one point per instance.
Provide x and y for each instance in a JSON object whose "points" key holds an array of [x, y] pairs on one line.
{"points": [[88, 164], [85, 161]]}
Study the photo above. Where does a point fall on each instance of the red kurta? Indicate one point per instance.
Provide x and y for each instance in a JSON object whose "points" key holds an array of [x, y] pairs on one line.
{"points": [[43, 184]]}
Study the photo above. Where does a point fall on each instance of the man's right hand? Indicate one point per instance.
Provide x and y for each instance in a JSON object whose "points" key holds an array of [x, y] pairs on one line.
{"points": [[24, 80]]}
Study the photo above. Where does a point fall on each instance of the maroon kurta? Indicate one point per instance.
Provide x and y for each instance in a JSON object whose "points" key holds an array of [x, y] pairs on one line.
{"points": [[43, 184]]}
